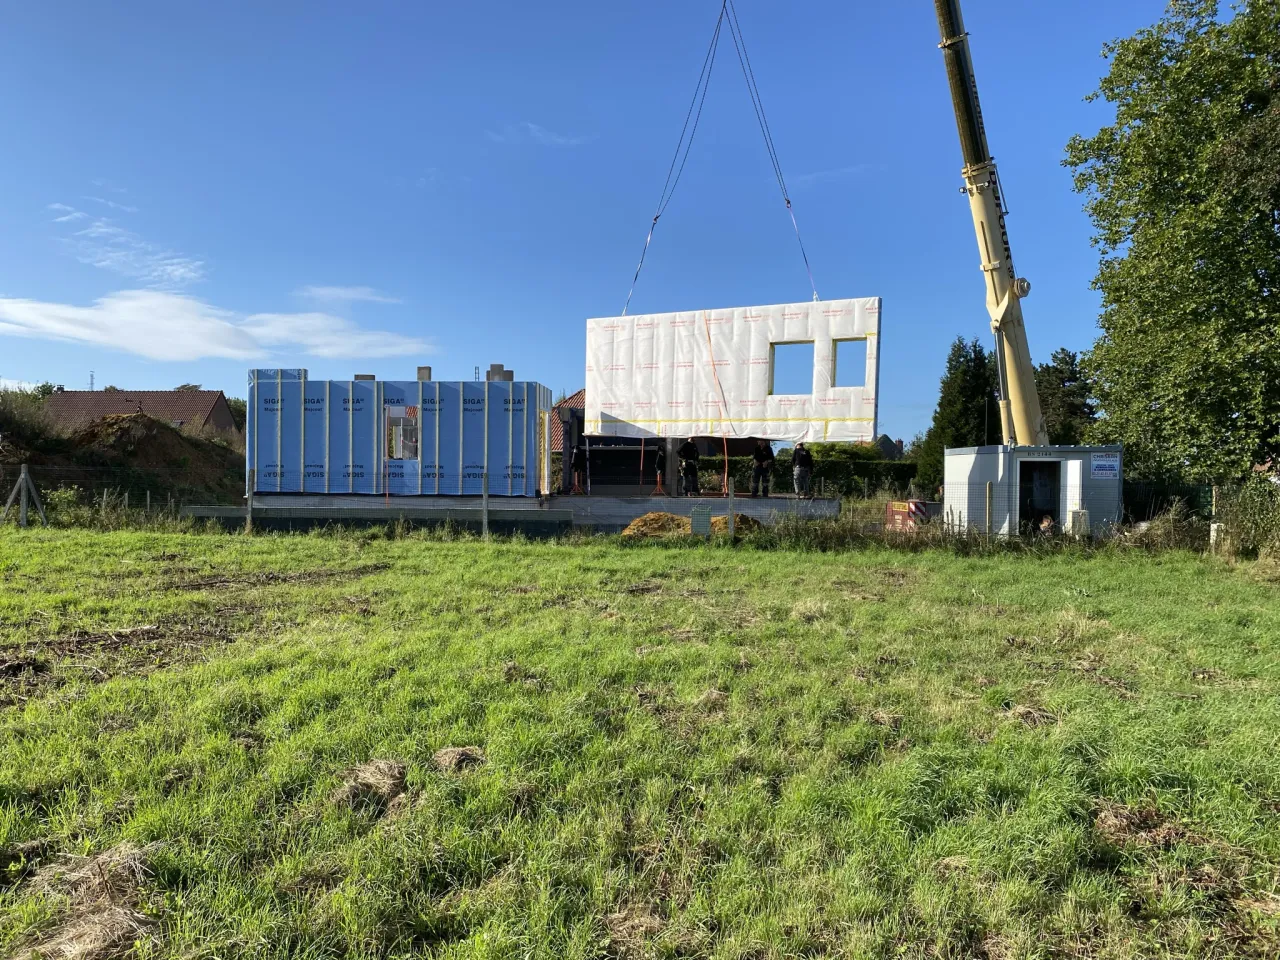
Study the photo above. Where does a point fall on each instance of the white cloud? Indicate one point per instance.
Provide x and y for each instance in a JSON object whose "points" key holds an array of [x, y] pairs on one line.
{"points": [[104, 184], [109, 246], [68, 213], [345, 295], [112, 204], [166, 326], [7, 384], [526, 132]]}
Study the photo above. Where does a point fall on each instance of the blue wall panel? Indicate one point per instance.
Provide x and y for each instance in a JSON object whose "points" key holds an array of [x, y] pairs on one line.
{"points": [[473, 438], [335, 436], [498, 422], [364, 437], [450, 438], [315, 437], [290, 425], [427, 444], [266, 414]]}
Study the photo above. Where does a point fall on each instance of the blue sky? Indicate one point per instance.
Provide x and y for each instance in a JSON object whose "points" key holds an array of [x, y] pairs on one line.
{"points": [[190, 190]]}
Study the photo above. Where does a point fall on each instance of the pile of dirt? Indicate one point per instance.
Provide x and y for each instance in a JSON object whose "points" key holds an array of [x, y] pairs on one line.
{"points": [[671, 525], [134, 452], [659, 525], [741, 524], [377, 784]]}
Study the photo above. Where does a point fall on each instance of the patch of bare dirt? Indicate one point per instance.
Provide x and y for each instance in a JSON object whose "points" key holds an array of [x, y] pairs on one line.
{"points": [[890, 721], [631, 928], [643, 587], [713, 700], [458, 759], [1119, 825], [514, 672], [894, 577], [104, 900], [810, 610], [19, 859], [1032, 716], [374, 785], [270, 577], [97, 655]]}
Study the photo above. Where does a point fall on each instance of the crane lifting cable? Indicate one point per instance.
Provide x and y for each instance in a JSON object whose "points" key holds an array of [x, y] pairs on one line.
{"points": [[728, 15]]}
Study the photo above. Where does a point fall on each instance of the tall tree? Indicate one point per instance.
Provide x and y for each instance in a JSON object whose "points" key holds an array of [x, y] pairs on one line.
{"points": [[967, 414], [1065, 398], [1184, 193]]}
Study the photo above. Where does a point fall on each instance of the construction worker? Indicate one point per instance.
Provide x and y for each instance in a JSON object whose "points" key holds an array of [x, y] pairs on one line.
{"points": [[660, 466], [688, 454], [762, 468], [801, 469]]}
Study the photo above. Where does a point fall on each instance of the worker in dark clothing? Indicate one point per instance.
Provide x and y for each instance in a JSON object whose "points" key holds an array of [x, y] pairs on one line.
{"points": [[801, 469], [688, 454], [660, 466], [579, 469], [762, 468]]}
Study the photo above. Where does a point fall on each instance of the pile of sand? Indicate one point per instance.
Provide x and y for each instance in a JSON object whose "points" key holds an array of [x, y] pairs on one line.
{"points": [[671, 525], [741, 524], [659, 525]]}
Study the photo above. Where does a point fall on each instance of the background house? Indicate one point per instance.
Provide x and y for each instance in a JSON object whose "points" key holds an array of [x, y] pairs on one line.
{"points": [[180, 408]]}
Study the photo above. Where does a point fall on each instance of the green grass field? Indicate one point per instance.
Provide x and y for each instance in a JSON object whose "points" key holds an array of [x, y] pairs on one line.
{"points": [[699, 752]]}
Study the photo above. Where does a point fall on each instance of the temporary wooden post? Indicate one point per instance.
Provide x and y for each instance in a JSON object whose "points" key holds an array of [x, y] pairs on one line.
{"points": [[148, 503], [248, 502], [25, 493], [126, 501], [484, 505], [731, 508], [990, 502]]}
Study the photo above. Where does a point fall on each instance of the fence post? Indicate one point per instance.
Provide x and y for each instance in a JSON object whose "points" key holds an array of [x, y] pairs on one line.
{"points": [[731, 522], [148, 503], [248, 502], [484, 504], [990, 491], [126, 501], [23, 480]]}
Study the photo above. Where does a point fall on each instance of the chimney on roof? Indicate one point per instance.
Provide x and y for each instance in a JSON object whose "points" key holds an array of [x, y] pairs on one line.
{"points": [[499, 374], [424, 373], [364, 376], [898, 443]]}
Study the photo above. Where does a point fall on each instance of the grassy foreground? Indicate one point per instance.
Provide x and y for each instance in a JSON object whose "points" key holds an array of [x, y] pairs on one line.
{"points": [[679, 752]]}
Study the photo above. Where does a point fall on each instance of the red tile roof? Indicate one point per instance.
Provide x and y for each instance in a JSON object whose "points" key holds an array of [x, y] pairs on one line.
{"points": [[194, 407], [575, 401]]}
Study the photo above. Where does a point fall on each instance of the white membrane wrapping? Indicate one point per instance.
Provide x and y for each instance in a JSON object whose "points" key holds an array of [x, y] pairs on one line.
{"points": [[709, 373]]}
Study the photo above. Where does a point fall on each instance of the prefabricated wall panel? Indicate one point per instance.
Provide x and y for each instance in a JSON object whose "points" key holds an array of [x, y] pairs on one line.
{"points": [[709, 373], [394, 438]]}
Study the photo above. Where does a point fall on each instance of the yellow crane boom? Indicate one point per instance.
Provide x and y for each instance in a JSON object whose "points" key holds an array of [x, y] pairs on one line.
{"points": [[1020, 417]]}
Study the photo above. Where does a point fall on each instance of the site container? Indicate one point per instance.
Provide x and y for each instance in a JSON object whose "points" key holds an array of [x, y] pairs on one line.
{"points": [[1006, 491], [394, 437]]}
